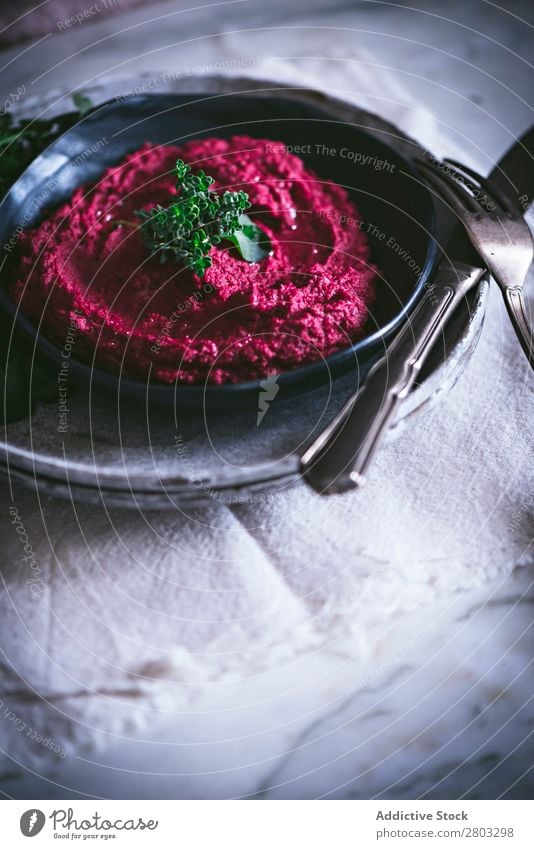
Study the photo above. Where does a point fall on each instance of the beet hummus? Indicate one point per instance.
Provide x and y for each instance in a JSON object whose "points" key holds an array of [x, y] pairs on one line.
{"points": [[307, 299]]}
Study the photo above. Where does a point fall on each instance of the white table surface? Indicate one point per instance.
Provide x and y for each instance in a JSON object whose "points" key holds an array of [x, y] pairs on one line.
{"points": [[438, 710]]}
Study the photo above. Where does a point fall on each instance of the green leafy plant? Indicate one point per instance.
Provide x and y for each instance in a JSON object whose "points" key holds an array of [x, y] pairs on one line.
{"points": [[199, 219], [82, 103], [21, 141]]}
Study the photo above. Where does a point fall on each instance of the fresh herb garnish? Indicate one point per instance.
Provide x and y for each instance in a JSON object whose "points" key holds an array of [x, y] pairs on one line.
{"points": [[199, 219]]}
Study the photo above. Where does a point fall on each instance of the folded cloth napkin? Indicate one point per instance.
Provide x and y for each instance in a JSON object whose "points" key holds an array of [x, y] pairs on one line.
{"points": [[109, 618]]}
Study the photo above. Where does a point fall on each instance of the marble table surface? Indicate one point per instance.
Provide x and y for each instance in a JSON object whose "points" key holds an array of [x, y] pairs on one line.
{"points": [[442, 706]]}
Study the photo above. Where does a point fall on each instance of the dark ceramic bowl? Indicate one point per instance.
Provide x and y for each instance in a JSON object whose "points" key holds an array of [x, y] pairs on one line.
{"points": [[397, 208]]}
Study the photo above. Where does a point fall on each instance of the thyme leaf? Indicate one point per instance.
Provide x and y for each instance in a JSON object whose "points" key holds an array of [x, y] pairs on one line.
{"points": [[200, 218]]}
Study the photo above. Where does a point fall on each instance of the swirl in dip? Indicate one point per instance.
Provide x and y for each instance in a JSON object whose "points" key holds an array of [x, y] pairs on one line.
{"points": [[309, 298]]}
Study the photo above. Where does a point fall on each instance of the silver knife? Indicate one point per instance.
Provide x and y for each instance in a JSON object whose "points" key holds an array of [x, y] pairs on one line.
{"points": [[338, 458]]}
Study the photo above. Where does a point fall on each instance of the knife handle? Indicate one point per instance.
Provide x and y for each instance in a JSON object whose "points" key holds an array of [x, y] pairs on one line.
{"points": [[338, 459], [515, 304]]}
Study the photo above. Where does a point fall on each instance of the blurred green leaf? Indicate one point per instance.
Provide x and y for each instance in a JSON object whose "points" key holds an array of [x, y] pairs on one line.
{"points": [[22, 381]]}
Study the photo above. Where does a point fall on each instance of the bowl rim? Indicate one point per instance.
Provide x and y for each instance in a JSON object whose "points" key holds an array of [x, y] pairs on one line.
{"points": [[95, 375]]}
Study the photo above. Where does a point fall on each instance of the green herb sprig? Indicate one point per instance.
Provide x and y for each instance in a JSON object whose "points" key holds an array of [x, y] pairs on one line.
{"points": [[199, 219]]}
